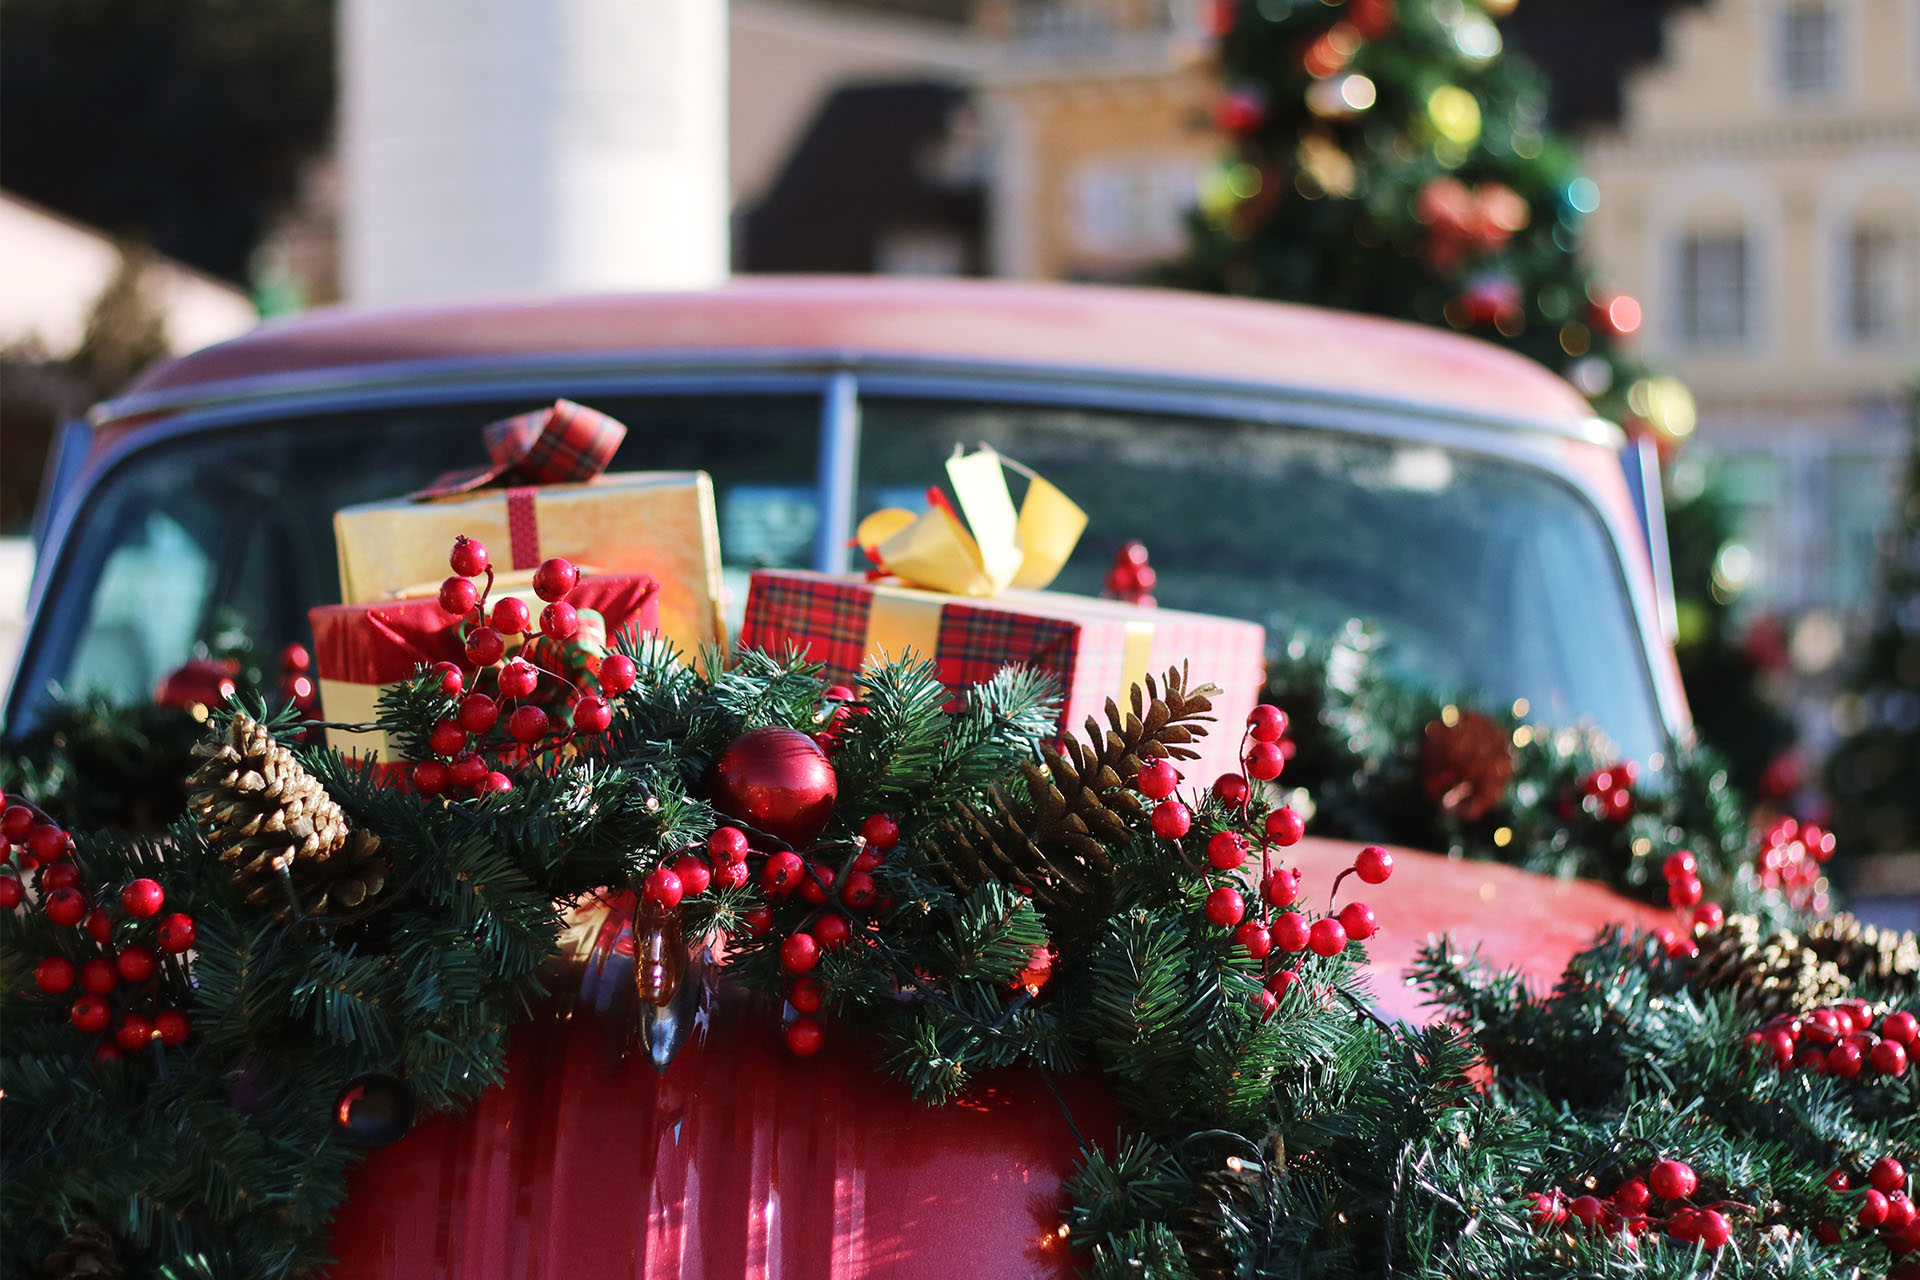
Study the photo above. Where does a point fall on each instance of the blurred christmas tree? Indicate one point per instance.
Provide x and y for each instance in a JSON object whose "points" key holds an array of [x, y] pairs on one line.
{"points": [[1875, 771]]}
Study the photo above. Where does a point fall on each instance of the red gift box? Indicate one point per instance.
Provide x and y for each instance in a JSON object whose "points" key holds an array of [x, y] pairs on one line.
{"points": [[360, 648], [1097, 649]]}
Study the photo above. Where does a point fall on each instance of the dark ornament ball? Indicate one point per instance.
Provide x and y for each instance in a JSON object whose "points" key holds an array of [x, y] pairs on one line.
{"points": [[374, 1110], [779, 781]]}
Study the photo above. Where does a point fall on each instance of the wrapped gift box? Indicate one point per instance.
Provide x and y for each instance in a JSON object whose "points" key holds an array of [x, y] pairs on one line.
{"points": [[1098, 649], [658, 523], [361, 648]]}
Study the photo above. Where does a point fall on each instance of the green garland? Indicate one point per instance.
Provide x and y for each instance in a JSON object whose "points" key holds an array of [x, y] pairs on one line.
{"points": [[1275, 1126]]}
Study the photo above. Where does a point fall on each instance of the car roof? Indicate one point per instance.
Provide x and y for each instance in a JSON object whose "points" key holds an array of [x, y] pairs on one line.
{"points": [[1087, 328]]}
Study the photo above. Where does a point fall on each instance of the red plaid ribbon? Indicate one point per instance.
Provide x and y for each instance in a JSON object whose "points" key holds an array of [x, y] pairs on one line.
{"points": [[562, 444]]}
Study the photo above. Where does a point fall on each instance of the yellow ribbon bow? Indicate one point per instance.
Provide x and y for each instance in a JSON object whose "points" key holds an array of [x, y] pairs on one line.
{"points": [[994, 549]]}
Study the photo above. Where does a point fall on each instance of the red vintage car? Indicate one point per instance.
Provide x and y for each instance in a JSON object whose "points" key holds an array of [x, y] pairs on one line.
{"points": [[1298, 467]]}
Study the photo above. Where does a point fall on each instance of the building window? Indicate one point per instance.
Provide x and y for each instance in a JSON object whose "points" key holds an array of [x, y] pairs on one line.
{"points": [[1810, 48], [1883, 284], [1132, 210], [1713, 288]]}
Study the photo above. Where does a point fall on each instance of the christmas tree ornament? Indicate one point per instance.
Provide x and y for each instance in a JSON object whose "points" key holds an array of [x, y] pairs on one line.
{"points": [[1466, 764], [281, 836], [374, 1110], [1232, 790], [430, 778], [1358, 920], [1265, 761], [881, 832], [799, 953], [832, 931], [777, 780], [466, 772], [1290, 931], [1225, 907], [199, 685], [493, 784], [1373, 864]]}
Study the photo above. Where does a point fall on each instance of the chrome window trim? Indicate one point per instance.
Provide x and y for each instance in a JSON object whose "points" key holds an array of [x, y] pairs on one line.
{"points": [[840, 382]]}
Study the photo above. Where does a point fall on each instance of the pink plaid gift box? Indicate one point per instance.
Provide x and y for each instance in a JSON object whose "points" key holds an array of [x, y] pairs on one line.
{"points": [[1097, 649]]}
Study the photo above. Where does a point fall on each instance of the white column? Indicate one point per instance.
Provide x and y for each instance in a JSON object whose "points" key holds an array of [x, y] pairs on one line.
{"points": [[497, 147]]}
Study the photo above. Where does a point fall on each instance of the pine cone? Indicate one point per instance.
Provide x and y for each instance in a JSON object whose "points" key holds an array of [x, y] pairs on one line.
{"points": [[265, 812], [1865, 953], [1052, 842], [1776, 974], [1465, 765], [1233, 1192], [87, 1252]]}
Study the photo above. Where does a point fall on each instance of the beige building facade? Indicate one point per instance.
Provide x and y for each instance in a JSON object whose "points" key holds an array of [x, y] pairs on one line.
{"points": [[1761, 196]]}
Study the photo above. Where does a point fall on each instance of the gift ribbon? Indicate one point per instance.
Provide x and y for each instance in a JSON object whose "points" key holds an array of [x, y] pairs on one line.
{"points": [[523, 528], [995, 548], [562, 444]]}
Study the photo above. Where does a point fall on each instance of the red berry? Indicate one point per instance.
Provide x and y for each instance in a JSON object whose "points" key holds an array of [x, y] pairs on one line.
{"points": [[100, 926], [815, 881], [799, 953], [1265, 761], [1282, 982], [458, 596], [1901, 1028], [65, 906], [1290, 931], [1264, 1003], [559, 621], [1873, 1208], [1171, 820], [782, 873], [1587, 1210], [1811, 1059], [732, 875], [173, 1027], [1679, 863], [54, 975], [1683, 891], [1226, 849], [832, 931], [859, 892], [804, 1037], [136, 963], [662, 887], [1838, 1179], [1358, 920], [1844, 1060], [1900, 1212], [757, 920], [881, 831], [485, 646], [1888, 1175], [1225, 907], [1780, 1044], [467, 772], [1632, 1196], [1285, 827], [60, 875], [1157, 779], [176, 933], [135, 1032], [518, 679], [11, 894], [448, 738], [1267, 723], [478, 714], [510, 616], [48, 843], [1373, 864], [554, 579], [617, 674], [1709, 915], [451, 681], [693, 873], [1232, 789], [1549, 1210], [1684, 1225], [728, 844], [1281, 888], [469, 558], [17, 822], [1327, 937], [591, 714], [90, 1014], [807, 995], [1254, 939], [104, 1054], [527, 724], [1889, 1058], [430, 777], [98, 976], [1713, 1228], [1672, 1180]]}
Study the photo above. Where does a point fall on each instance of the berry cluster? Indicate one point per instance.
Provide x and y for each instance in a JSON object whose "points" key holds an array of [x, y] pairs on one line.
{"points": [[116, 964], [1884, 1207], [501, 716], [1131, 579], [1841, 1041], [1608, 793], [1661, 1200], [1278, 926], [1790, 860]]}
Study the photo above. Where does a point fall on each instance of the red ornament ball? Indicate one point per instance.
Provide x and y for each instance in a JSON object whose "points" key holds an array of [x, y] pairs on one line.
{"points": [[527, 725], [1889, 1058], [728, 844], [832, 931], [782, 873], [1373, 865], [172, 1027], [65, 906], [807, 995], [1171, 820], [1254, 939], [778, 780], [799, 953], [1157, 779], [478, 714], [1267, 723], [663, 888], [134, 1033], [1232, 789], [458, 596], [555, 579], [510, 616], [617, 674], [485, 646], [559, 621], [1285, 827], [1226, 849], [11, 894], [136, 963], [1265, 761], [804, 1037], [469, 557], [1672, 1180], [90, 1014], [518, 679], [591, 714], [1225, 907], [448, 738], [176, 933], [881, 832], [1358, 920], [1328, 937], [55, 975]]}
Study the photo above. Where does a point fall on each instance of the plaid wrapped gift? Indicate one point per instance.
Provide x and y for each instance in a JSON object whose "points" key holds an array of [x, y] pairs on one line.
{"points": [[360, 648], [1098, 649]]}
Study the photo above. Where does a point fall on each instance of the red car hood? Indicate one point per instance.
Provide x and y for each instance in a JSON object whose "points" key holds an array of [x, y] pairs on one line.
{"points": [[742, 1160]]}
